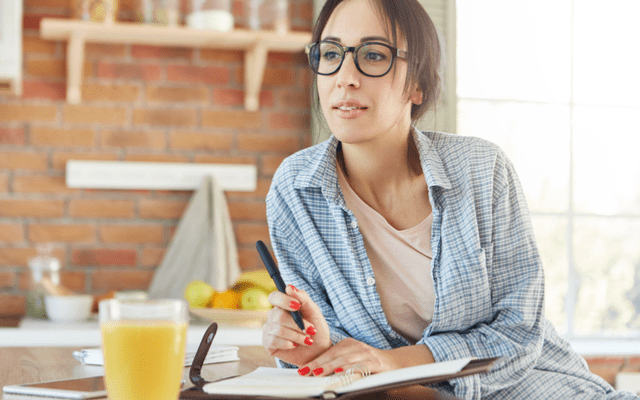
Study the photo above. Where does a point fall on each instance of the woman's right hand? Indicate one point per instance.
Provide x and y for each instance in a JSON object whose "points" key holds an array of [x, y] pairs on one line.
{"points": [[282, 338]]}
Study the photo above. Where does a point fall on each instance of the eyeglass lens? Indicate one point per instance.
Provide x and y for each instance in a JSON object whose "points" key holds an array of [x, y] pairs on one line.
{"points": [[372, 59]]}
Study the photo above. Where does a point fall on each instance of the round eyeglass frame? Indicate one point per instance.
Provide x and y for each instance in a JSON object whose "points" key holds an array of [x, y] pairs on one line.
{"points": [[395, 53]]}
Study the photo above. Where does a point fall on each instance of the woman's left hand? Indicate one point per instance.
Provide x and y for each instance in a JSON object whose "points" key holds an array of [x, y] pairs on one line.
{"points": [[349, 353]]}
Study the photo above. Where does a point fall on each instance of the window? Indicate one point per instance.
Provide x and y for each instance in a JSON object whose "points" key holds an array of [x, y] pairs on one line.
{"points": [[556, 83]]}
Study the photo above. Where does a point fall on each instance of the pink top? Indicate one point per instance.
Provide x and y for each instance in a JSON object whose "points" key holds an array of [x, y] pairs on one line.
{"points": [[401, 262]]}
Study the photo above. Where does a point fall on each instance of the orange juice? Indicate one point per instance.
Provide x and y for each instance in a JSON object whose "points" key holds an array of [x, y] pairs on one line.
{"points": [[143, 359]]}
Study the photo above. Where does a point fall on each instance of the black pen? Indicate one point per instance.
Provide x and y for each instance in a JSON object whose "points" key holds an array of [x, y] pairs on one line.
{"points": [[277, 279]]}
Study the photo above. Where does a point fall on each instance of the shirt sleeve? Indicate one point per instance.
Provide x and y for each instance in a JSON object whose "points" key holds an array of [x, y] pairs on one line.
{"points": [[515, 330], [295, 262]]}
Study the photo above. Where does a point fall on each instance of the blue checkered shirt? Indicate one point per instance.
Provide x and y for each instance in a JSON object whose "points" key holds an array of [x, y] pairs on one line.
{"points": [[486, 269]]}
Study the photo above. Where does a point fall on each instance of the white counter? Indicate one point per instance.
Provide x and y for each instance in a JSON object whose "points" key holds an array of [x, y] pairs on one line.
{"points": [[41, 333]]}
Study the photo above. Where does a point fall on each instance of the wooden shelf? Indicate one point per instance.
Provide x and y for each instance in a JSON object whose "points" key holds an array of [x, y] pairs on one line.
{"points": [[255, 44]]}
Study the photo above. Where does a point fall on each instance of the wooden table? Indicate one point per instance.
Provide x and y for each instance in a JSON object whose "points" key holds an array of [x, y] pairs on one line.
{"points": [[38, 364]]}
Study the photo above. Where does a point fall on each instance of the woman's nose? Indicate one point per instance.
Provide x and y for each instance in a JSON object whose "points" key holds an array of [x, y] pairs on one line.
{"points": [[348, 74]]}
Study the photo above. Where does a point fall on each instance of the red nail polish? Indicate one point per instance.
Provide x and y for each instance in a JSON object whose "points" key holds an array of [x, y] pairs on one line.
{"points": [[317, 371], [338, 370], [295, 289], [295, 345], [304, 371], [308, 341], [311, 330], [295, 305]]}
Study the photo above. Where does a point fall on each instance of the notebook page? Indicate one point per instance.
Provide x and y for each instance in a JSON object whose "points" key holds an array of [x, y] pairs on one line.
{"points": [[407, 374], [268, 381]]}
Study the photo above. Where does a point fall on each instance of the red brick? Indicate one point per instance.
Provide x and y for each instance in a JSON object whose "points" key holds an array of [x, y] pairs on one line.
{"points": [[4, 183], [245, 211], [172, 117], [7, 279], [289, 121], [268, 143], [190, 73], [107, 280], [235, 97], [273, 76], [225, 56], [162, 209], [11, 304], [60, 159], [156, 158], [224, 159], [27, 113], [61, 233], [144, 51], [22, 160], [152, 256], [104, 49], [102, 257], [95, 92], [41, 136], [11, 233], [249, 259], [290, 99], [250, 233], [177, 94], [144, 139], [260, 193], [52, 68], [144, 72], [231, 119], [271, 163], [41, 184], [201, 141], [131, 233], [32, 208], [20, 256], [34, 44], [44, 90], [287, 58], [47, 3], [86, 114], [13, 136], [85, 208], [31, 21]]}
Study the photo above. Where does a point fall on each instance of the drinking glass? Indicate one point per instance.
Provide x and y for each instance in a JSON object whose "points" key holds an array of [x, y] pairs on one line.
{"points": [[143, 343]]}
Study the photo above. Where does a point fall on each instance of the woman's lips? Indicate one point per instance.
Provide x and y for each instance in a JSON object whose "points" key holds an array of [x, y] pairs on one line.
{"points": [[349, 112]]}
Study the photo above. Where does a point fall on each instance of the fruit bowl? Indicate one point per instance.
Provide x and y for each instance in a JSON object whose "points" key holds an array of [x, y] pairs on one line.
{"points": [[224, 316]]}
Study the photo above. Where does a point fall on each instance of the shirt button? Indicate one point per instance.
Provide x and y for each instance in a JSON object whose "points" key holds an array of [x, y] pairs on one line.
{"points": [[371, 281], [354, 224]]}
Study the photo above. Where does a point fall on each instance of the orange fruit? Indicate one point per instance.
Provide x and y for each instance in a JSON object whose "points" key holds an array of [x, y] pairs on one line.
{"points": [[229, 299]]}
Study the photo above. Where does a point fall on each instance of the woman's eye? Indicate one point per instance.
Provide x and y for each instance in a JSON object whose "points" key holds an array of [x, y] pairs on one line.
{"points": [[331, 55], [373, 56]]}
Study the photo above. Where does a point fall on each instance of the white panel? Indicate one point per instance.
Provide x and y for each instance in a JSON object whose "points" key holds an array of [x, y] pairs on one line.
{"points": [[158, 176], [11, 47]]}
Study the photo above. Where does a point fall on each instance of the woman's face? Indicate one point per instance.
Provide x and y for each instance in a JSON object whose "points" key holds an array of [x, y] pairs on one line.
{"points": [[381, 106]]}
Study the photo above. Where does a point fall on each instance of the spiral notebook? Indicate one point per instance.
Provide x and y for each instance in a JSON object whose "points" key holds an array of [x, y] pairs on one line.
{"points": [[286, 383]]}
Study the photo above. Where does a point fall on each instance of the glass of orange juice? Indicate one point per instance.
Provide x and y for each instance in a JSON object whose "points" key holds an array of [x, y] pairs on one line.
{"points": [[143, 342]]}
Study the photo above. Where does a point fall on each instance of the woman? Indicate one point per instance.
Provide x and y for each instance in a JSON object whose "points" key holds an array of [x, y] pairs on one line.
{"points": [[402, 247]]}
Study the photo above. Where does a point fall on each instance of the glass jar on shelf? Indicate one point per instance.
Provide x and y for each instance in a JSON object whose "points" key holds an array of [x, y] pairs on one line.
{"points": [[268, 15], [210, 14], [43, 269], [160, 12], [96, 10]]}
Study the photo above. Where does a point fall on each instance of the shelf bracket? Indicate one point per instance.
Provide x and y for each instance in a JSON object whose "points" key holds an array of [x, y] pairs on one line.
{"points": [[255, 61], [75, 70]]}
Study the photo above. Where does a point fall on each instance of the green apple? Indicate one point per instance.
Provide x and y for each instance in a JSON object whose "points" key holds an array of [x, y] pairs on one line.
{"points": [[255, 299]]}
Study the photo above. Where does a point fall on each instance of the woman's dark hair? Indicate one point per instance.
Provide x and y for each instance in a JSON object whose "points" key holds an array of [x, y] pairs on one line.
{"points": [[423, 46]]}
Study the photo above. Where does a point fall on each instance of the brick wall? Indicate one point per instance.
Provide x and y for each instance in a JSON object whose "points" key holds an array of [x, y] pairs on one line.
{"points": [[139, 103]]}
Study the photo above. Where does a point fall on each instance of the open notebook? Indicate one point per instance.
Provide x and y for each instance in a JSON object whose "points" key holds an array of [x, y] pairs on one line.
{"points": [[286, 383], [216, 354]]}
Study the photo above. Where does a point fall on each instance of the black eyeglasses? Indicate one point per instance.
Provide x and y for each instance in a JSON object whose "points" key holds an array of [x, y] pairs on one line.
{"points": [[372, 59]]}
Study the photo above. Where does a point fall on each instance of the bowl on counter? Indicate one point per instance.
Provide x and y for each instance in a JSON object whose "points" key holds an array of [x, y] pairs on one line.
{"points": [[68, 308]]}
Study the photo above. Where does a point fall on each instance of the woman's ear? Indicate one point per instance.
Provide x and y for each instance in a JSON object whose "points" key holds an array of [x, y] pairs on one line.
{"points": [[416, 95]]}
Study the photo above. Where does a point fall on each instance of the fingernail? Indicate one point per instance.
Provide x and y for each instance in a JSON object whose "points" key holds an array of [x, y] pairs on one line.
{"points": [[295, 305], [308, 341], [295, 289], [311, 330], [317, 371], [304, 371], [338, 370], [295, 345]]}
